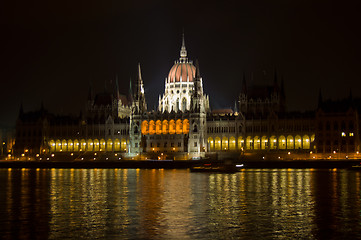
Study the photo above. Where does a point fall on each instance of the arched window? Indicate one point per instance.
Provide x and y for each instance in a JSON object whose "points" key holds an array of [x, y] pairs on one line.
{"points": [[116, 145], [184, 104], [195, 128], [306, 142], [96, 145], [225, 143], [240, 143], [298, 142], [273, 142], [211, 144], [185, 126], [158, 127], [109, 145], [264, 143], [282, 142], [257, 143], [151, 127], [102, 145], [178, 127], [123, 144], [76, 145], [232, 143], [290, 142], [171, 127], [165, 127], [57, 145], [217, 144], [52, 145], [70, 145], [64, 145], [82, 145], [249, 143], [144, 127], [89, 145]]}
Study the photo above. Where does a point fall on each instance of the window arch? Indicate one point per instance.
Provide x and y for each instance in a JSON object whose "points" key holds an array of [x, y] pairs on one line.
{"points": [[52, 145], [116, 145], [264, 143], [144, 127], [306, 142], [158, 127], [109, 145], [82, 145], [257, 143], [240, 143], [290, 142], [123, 144], [151, 127], [171, 127], [249, 143], [225, 143], [102, 145], [70, 145], [282, 142], [232, 143], [211, 144], [217, 144], [96, 145], [165, 127], [178, 126], [76, 145], [89, 145], [184, 104], [273, 142], [298, 142], [185, 126]]}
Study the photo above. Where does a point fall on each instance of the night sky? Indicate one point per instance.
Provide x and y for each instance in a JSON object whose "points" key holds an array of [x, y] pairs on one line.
{"points": [[52, 50]]}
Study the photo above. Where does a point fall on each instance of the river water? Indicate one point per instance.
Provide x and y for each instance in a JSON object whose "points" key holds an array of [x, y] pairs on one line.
{"points": [[179, 204]]}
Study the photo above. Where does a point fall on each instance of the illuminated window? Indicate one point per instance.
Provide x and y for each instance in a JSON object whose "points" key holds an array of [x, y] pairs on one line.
{"points": [[343, 134], [351, 134]]}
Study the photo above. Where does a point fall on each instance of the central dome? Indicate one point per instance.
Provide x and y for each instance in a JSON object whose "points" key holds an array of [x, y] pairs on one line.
{"points": [[182, 71]]}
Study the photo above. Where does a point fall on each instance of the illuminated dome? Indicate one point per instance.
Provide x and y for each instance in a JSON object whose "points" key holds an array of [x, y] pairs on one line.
{"points": [[182, 72]]}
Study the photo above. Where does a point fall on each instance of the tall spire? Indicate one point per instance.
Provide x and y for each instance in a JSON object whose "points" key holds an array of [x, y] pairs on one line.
{"points": [[139, 98], [197, 91], [183, 51], [140, 80]]}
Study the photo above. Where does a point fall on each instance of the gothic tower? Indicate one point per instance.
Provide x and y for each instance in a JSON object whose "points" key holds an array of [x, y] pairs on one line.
{"points": [[197, 144], [139, 107]]}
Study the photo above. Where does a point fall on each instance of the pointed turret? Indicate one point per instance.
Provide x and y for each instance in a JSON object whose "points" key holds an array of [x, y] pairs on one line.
{"points": [[197, 91], [139, 98], [117, 95], [130, 93], [183, 51]]}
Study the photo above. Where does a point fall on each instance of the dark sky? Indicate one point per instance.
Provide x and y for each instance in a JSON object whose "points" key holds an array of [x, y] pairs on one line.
{"points": [[52, 50]]}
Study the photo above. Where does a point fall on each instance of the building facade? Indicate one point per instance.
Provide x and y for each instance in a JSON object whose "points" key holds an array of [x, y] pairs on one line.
{"points": [[184, 126]]}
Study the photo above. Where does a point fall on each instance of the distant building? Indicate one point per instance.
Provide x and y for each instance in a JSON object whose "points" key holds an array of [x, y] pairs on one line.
{"points": [[184, 126]]}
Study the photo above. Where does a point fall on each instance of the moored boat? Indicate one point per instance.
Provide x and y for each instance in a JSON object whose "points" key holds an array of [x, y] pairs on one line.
{"points": [[224, 167]]}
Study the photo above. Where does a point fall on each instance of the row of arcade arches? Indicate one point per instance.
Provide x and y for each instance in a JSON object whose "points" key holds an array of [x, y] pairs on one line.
{"points": [[165, 127], [260, 143], [88, 145]]}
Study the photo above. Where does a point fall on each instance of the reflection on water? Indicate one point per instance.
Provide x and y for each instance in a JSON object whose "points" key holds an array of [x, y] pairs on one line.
{"points": [[178, 204]]}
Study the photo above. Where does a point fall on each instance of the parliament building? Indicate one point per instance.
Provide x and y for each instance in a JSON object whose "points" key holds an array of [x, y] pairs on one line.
{"points": [[185, 127]]}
